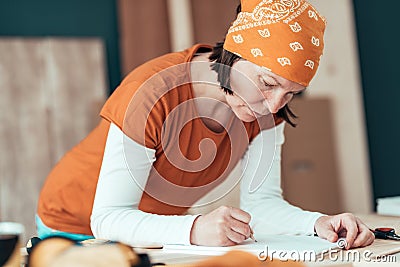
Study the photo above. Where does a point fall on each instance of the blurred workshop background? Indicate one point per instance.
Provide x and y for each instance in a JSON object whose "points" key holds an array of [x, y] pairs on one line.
{"points": [[59, 60]]}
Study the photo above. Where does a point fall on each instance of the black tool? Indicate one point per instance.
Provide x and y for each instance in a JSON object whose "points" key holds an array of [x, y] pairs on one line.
{"points": [[386, 233]]}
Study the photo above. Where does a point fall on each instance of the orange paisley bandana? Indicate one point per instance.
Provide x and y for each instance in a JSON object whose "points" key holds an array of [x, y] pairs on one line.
{"points": [[284, 36]]}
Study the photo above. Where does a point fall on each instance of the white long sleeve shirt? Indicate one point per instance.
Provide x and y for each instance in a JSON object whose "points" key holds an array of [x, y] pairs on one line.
{"points": [[116, 216]]}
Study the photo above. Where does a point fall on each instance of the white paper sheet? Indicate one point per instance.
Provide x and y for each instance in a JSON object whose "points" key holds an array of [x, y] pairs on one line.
{"points": [[273, 246]]}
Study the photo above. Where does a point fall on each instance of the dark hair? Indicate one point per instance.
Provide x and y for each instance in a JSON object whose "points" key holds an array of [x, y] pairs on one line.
{"points": [[223, 60]]}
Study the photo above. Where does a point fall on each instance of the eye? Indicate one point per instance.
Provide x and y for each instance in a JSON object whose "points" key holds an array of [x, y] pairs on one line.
{"points": [[297, 93], [269, 85]]}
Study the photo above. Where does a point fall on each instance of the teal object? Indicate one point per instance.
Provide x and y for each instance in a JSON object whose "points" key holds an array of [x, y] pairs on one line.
{"points": [[378, 40], [44, 232]]}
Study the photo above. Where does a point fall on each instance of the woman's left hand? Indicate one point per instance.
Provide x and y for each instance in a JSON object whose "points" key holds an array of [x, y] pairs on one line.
{"points": [[344, 225]]}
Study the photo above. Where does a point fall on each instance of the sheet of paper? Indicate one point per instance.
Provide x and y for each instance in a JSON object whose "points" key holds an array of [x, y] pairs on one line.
{"points": [[274, 246]]}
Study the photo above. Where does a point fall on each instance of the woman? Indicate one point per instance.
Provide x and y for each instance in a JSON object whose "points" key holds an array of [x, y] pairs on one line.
{"points": [[176, 127]]}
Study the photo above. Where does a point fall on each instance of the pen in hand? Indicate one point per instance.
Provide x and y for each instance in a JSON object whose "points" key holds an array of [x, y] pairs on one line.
{"points": [[252, 235]]}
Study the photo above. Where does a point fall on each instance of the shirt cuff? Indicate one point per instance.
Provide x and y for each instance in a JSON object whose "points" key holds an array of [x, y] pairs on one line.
{"points": [[185, 227], [311, 222]]}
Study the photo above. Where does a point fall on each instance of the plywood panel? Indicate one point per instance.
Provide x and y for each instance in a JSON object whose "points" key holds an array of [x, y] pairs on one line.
{"points": [[338, 79], [25, 154], [75, 82], [144, 32], [310, 176], [211, 19], [51, 91]]}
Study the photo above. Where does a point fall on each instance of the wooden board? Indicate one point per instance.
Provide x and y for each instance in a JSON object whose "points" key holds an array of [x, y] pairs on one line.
{"points": [[144, 31], [211, 19], [51, 92], [310, 177]]}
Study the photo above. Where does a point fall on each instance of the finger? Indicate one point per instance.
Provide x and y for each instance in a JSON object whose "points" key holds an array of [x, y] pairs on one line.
{"points": [[350, 225], [235, 236], [240, 228], [363, 239], [329, 234], [365, 236], [240, 215], [326, 229], [222, 235], [368, 241]]}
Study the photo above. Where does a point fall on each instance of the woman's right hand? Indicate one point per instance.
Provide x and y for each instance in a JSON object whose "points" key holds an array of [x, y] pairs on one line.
{"points": [[224, 226]]}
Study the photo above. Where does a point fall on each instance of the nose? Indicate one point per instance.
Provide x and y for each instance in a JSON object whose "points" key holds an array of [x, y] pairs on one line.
{"points": [[276, 102]]}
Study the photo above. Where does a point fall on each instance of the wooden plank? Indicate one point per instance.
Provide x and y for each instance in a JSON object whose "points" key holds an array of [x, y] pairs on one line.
{"points": [[25, 154], [75, 82], [52, 90], [310, 176], [144, 31], [211, 19], [341, 83]]}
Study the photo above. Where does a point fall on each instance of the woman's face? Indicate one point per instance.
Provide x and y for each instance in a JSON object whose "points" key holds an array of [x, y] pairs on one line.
{"points": [[257, 91]]}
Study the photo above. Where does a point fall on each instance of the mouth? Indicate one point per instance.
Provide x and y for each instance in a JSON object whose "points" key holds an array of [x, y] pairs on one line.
{"points": [[253, 113]]}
